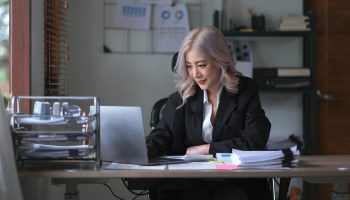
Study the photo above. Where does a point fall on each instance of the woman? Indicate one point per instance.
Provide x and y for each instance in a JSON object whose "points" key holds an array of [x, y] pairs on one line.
{"points": [[214, 110]]}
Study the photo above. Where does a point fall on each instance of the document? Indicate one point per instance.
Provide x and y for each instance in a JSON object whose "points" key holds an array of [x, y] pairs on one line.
{"points": [[128, 15], [171, 24], [193, 158], [115, 166], [54, 147], [39, 121], [52, 120], [255, 159], [55, 153], [51, 138], [193, 165]]}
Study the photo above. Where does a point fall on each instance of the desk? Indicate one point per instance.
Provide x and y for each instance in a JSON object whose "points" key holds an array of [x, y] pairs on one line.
{"points": [[313, 169]]}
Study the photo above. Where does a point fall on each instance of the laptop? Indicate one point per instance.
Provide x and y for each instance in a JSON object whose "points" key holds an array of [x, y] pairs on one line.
{"points": [[122, 137]]}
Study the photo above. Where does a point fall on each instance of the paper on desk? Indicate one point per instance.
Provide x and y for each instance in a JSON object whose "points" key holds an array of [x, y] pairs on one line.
{"points": [[192, 165], [275, 158], [116, 166], [193, 158]]}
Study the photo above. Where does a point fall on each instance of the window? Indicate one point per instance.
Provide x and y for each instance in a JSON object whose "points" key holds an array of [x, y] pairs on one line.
{"points": [[4, 47]]}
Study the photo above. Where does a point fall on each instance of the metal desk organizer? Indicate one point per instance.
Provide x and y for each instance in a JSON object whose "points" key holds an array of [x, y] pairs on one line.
{"points": [[57, 130]]}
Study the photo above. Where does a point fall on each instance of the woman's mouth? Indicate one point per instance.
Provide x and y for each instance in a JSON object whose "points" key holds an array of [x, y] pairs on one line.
{"points": [[201, 82]]}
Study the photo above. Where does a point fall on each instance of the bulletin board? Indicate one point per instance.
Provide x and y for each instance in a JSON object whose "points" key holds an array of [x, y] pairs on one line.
{"points": [[132, 27]]}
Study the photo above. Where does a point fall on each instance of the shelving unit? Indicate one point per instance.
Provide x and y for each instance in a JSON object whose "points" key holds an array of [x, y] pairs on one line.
{"points": [[69, 135], [309, 93]]}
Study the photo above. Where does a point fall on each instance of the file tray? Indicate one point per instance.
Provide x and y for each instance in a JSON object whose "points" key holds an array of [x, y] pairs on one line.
{"points": [[56, 129]]}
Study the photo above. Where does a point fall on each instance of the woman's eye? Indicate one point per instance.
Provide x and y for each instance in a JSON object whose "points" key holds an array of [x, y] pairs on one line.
{"points": [[202, 65], [189, 66]]}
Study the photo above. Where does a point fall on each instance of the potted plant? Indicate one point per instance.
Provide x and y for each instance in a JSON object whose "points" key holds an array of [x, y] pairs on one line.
{"points": [[7, 98]]}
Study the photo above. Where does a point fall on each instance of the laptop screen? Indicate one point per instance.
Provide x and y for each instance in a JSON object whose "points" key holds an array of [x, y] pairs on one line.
{"points": [[122, 135]]}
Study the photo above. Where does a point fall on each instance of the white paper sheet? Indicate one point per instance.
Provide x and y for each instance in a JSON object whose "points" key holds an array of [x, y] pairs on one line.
{"points": [[193, 165], [115, 166], [128, 16], [171, 26], [39, 121], [264, 158], [193, 158]]}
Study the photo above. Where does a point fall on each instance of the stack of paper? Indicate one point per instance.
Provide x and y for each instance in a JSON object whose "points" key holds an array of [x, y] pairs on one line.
{"points": [[262, 159], [44, 150], [193, 158], [295, 23]]}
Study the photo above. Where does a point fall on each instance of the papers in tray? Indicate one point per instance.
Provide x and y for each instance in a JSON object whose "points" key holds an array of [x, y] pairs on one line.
{"points": [[50, 120], [54, 147], [44, 150], [38, 121], [52, 138], [268, 159], [37, 153]]}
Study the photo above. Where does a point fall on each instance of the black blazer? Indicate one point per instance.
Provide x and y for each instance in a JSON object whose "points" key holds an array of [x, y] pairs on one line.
{"points": [[240, 123]]}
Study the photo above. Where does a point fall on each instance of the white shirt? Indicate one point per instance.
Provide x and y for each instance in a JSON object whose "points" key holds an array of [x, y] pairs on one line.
{"points": [[207, 127]]}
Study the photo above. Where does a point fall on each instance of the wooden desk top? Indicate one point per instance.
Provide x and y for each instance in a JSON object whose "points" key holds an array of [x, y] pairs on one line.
{"points": [[317, 169]]}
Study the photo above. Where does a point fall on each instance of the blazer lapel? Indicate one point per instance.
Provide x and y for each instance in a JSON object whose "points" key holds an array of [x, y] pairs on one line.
{"points": [[226, 106], [195, 117]]}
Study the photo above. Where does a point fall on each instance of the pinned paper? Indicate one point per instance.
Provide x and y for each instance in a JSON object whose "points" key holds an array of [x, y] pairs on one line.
{"points": [[128, 16], [171, 26]]}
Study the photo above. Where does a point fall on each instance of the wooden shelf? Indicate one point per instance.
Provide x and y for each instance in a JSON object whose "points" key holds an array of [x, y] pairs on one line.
{"points": [[230, 33]]}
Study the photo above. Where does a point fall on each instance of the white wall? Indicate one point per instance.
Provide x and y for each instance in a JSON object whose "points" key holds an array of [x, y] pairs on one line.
{"points": [[118, 79], [141, 79]]}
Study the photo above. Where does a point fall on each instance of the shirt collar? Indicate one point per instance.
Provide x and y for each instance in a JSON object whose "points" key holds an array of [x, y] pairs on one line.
{"points": [[205, 95]]}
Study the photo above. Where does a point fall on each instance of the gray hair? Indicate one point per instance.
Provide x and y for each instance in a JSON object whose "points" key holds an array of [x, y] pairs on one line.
{"points": [[211, 42]]}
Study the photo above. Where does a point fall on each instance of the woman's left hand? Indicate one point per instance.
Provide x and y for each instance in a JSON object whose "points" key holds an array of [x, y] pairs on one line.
{"points": [[200, 149]]}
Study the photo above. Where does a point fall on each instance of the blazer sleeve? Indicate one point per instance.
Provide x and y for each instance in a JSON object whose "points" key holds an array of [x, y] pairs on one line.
{"points": [[253, 126], [162, 140]]}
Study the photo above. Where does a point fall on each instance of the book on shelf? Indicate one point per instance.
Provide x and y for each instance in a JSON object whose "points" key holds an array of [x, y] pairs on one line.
{"points": [[281, 72], [295, 23], [295, 27], [296, 19], [295, 82]]}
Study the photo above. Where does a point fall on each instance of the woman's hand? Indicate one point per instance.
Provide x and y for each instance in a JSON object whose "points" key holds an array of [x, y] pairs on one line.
{"points": [[200, 149]]}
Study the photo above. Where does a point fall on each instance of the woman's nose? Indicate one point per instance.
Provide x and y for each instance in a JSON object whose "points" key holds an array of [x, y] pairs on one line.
{"points": [[196, 72]]}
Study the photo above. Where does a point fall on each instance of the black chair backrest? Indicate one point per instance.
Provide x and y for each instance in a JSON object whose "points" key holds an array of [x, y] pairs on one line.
{"points": [[156, 112], [158, 105]]}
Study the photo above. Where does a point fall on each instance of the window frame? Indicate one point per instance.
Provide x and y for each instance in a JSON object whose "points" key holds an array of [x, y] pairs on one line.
{"points": [[19, 59]]}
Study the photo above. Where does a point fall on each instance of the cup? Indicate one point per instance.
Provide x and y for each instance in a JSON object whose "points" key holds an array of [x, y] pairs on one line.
{"points": [[258, 23]]}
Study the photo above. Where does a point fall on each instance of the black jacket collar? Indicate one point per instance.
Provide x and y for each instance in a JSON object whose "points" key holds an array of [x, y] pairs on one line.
{"points": [[228, 103]]}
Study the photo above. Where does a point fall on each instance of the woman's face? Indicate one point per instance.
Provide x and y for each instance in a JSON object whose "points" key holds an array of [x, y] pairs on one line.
{"points": [[203, 70]]}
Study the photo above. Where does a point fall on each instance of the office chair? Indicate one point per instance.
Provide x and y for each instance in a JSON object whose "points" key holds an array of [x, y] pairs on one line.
{"points": [[158, 105], [156, 115]]}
